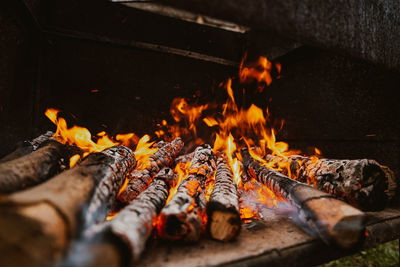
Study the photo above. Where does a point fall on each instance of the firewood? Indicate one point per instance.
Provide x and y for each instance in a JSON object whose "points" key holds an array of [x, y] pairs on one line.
{"points": [[363, 183], [140, 179], [335, 221], [223, 206], [183, 217], [125, 236], [33, 168], [40, 221], [28, 147], [184, 158]]}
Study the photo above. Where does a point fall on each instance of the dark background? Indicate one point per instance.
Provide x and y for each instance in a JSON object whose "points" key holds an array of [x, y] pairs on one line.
{"points": [[53, 54]]}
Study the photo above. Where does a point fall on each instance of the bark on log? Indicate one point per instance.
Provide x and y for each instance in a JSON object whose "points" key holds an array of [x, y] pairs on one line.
{"points": [[223, 206], [33, 168], [40, 221], [363, 183], [185, 158], [123, 239], [28, 147], [335, 221], [183, 218], [140, 179]]}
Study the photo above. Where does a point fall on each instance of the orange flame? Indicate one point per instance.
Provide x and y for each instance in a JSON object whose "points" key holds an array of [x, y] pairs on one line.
{"points": [[259, 71], [142, 153], [209, 187], [80, 136], [182, 169]]}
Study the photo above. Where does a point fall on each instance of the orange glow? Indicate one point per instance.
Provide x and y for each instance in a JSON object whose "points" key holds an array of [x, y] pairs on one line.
{"points": [[143, 151], [73, 160], [80, 136], [190, 114], [259, 71], [254, 198], [182, 169], [111, 216], [209, 187]]}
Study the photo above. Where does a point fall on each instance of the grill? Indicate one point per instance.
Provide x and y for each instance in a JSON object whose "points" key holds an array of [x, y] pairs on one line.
{"points": [[117, 66]]}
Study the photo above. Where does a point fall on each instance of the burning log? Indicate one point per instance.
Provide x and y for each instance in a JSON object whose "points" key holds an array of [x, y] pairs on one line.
{"points": [[184, 158], [38, 222], [183, 217], [363, 183], [140, 179], [333, 220], [125, 236], [33, 168], [28, 147], [223, 207]]}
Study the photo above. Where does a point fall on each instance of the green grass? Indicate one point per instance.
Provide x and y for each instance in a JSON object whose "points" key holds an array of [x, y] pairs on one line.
{"points": [[386, 254]]}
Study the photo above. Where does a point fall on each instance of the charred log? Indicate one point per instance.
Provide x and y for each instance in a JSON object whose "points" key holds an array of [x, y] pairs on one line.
{"points": [[140, 179], [123, 239], [223, 206], [33, 168], [334, 221], [183, 217], [184, 158], [364, 183], [40, 221], [28, 147]]}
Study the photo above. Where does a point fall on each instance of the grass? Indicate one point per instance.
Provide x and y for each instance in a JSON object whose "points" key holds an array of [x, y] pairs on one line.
{"points": [[386, 254]]}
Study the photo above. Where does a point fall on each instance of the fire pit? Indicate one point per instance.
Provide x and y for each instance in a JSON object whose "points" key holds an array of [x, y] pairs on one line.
{"points": [[187, 169]]}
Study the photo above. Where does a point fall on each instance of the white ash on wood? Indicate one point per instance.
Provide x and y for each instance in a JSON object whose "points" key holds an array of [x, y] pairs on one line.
{"points": [[335, 221], [223, 206], [140, 179], [125, 236], [364, 183], [183, 217]]}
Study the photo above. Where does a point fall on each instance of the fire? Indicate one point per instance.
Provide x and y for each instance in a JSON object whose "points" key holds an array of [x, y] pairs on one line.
{"points": [[111, 216], [231, 128], [182, 170], [256, 196], [209, 187], [76, 135], [82, 138], [142, 153], [181, 111], [259, 71]]}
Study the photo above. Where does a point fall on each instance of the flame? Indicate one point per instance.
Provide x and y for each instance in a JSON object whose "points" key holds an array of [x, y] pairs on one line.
{"points": [[81, 137], [209, 187], [256, 196], [73, 160], [182, 169], [181, 111], [259, 71], [142, 153], [111, 215]]}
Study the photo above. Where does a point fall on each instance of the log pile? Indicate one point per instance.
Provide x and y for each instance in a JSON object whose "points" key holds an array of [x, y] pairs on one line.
{"points": [[223, 206], [334, 221], [38, 223], [363, 183], [140, 179], [183, 217], [121, 241]]}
